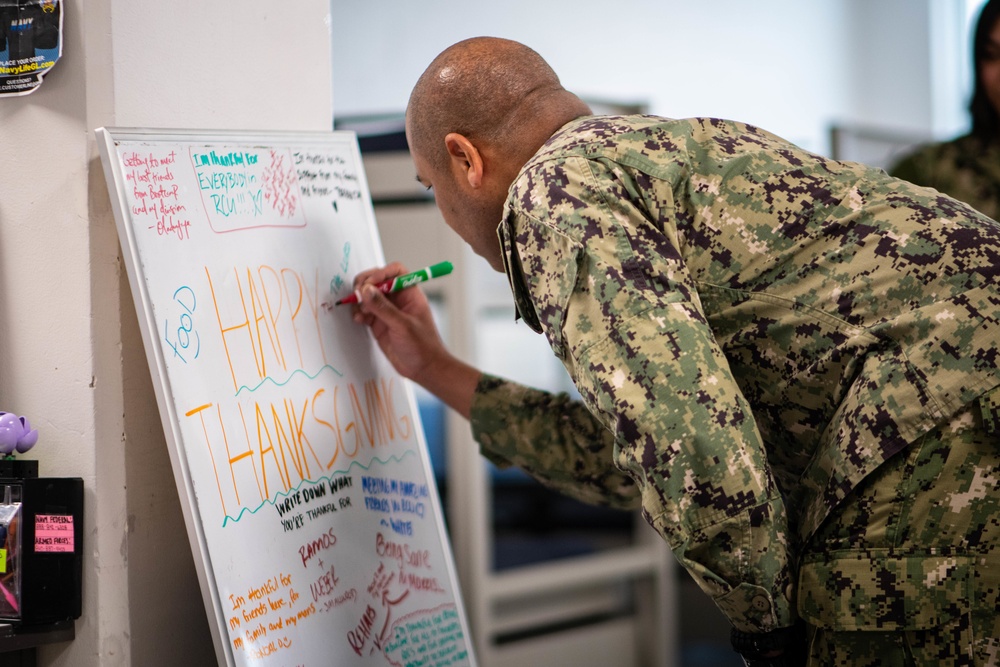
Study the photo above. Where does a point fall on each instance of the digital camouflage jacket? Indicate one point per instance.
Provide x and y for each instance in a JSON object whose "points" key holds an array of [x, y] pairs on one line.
{"points": [[753, 329]]}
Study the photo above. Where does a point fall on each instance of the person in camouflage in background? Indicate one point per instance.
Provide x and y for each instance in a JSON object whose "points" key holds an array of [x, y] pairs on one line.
{"points": [[968, 167], [789, 363]]}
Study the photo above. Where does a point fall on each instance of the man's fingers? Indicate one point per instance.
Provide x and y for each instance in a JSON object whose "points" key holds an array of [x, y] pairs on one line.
{"points": [[377, 275], [375, 303]]}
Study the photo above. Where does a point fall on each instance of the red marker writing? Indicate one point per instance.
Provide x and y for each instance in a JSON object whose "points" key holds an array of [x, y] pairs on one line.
{"points": [[405, 280]]}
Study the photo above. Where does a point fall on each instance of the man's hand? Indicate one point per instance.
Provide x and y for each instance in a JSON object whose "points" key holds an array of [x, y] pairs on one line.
{"points": [[404, 329]]}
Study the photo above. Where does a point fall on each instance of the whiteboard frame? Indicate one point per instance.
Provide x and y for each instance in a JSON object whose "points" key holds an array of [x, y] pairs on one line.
{"points": [[107, 139]]}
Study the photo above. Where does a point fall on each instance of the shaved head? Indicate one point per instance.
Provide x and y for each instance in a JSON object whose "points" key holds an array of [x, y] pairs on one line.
{"points": [[496, 92], [476, 116]]}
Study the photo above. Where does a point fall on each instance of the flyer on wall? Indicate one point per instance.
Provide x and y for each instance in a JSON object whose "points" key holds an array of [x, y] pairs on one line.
{"points": [[30, 43]]}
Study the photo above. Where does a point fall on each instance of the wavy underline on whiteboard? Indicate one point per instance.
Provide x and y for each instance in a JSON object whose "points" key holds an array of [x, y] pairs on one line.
{"points": [[393, 458], [282, 384]]}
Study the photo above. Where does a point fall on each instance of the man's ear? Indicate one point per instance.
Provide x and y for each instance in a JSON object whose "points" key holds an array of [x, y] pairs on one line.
{"points": [[465, 158]]}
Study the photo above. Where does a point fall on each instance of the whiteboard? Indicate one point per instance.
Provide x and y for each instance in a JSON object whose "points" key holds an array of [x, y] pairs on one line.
{"points": [[297, 450]]}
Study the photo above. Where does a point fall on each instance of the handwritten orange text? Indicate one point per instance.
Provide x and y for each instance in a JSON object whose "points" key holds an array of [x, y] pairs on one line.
{"points": [[261, 448], [268, 319]]}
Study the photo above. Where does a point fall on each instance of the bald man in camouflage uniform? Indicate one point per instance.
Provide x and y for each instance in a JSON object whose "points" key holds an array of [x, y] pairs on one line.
{"points": [[789, 363]]}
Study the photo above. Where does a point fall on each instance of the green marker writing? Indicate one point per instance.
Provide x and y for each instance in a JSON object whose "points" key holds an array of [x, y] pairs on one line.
{"points": [[405, 280]]}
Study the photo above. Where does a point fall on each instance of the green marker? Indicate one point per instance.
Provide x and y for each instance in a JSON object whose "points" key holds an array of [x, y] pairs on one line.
{"points": [[405, 280]]}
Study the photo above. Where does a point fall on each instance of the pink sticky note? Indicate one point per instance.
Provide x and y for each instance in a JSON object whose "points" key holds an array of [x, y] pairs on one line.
{"points": [[54, 533]]}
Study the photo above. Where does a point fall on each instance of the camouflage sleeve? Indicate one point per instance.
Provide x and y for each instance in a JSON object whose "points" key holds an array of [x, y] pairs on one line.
{"points": [[626, 320], [553, 438]]}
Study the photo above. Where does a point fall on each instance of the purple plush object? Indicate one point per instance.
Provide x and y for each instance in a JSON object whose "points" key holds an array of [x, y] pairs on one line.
{"points": [[16, 434]]}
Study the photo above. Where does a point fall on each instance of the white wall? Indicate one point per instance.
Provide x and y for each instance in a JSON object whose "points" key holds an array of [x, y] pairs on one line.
{"points": [[70, 354], [887, 49], [50, 355], [789, 66], [910, 63], [721, 58]]}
